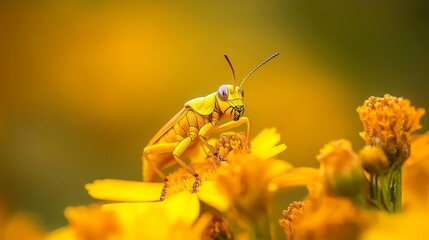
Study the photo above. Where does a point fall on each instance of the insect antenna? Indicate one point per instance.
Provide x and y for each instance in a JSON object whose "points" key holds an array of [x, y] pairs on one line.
{"points": [[256, 68], [232, 69]]}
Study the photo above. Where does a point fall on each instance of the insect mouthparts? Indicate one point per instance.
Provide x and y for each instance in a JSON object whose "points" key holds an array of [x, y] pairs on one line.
{"points": [[238, 112]]}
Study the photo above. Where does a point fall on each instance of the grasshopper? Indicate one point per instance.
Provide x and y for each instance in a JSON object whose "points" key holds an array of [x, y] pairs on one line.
{"points": [[197, 119]]}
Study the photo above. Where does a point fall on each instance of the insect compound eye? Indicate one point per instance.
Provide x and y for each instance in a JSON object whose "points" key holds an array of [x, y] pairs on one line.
{"points": [[241, 91], [222, 92]]}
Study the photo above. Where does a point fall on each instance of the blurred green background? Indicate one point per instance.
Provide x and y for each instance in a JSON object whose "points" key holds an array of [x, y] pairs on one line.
{"points": [[85, 84]]}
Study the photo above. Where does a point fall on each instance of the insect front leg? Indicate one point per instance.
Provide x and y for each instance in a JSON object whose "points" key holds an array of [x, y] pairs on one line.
{"points": [[177, 152], [233, 124], [203, 133]]}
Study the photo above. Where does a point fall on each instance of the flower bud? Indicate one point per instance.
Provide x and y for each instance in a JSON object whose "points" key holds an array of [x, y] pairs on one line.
{"points": [[374, 160], [341, 168]]}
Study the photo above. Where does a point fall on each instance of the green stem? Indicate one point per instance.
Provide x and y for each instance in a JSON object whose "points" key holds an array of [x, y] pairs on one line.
{"points": [[260, 228], [386, 189]]}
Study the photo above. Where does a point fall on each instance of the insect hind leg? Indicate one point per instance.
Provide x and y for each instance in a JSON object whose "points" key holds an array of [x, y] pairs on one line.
{"points": [[177, 149], [155, 165]]}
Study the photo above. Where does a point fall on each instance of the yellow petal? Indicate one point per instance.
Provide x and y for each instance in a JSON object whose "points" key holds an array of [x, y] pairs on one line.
{"points": [[124, 191], [209, 193], [183, 206], [419, 149], [155, 220], [264, 144], [267, 138], [411, 224], [295, 177], [65, 233], [128, 213], [131, 215], [277, 167], [269, 152]]}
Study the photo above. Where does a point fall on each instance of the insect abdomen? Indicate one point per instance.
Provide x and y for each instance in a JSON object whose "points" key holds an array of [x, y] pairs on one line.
{"points": [[190, 121]]}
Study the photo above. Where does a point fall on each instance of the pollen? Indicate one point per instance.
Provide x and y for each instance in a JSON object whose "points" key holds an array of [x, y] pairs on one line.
{"points": [[181, 180], [232, 144], [292, 216], [388, 122]]}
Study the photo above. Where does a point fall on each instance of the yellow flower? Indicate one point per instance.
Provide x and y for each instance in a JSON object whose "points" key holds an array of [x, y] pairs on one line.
{"points": [[388, 122], [134, 196], [263, 145], [321, 216]]}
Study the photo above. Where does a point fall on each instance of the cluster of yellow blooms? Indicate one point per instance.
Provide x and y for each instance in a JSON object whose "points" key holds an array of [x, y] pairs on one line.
{"points": [[358, 192], [352, 195]]}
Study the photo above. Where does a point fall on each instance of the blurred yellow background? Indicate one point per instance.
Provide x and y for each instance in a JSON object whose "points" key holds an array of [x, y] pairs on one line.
{"points": [[85, 84]]}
